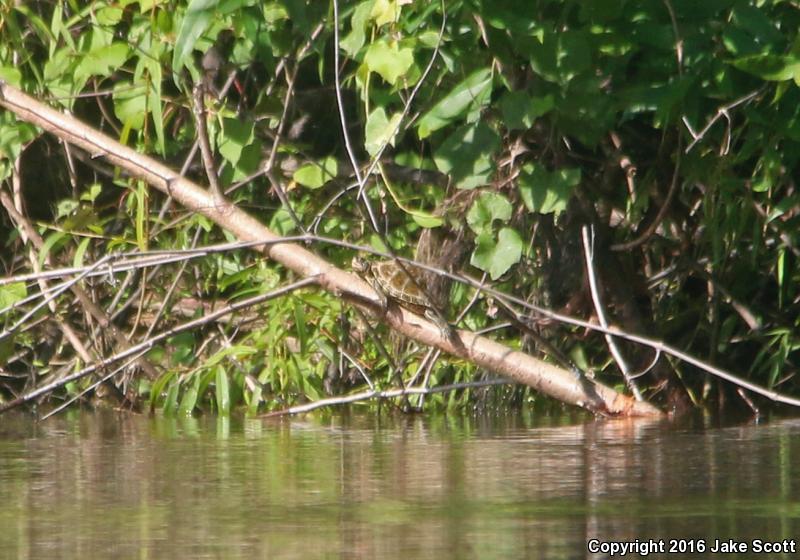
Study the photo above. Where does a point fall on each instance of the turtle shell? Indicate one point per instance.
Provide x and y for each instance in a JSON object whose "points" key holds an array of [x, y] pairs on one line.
{"points": [[391, 281], [398, 285]]}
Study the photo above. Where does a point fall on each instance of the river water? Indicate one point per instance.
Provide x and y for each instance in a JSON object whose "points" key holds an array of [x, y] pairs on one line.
{"points": [[111, 485]]}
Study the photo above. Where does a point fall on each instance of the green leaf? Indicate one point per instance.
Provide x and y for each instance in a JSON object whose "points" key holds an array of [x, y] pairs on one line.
{"points": [[380, 130], [235, 136], [189, 400], [768, 171], [561, 56], [385, 11], [602, 10], [222, 390], [520, 110], [59, 75], [426, 220], [314, 175], [92, 192], [389, 60], [229, 351], [487, 208], [102, 61], [109, 15], [183, 348], [468, 155], [770, 67], [11, 75], [148, 71], [65, 207], [195, 22], [282, 222], [299, 15], [255, 399], [497, 257], [545, 192], [12, 293], [77, 260], [141, 200], [472, 93], [249, 162], [758, 25], [35, 23], [161, 382], [355, 39], [301, 325], [785, 205], [429, 38], [14, 134], [171, 400], [738, 42], [130, 104], [51, 244]]}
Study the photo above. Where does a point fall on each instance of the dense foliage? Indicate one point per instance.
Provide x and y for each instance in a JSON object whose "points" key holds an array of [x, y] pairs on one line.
{"points": [[500, 128]]}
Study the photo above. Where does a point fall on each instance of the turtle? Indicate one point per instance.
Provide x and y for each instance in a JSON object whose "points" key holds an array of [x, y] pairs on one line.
{"points": [[393, 283]]}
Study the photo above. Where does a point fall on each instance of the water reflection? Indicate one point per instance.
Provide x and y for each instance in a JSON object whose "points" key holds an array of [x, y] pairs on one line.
{"points": [[357, 486]]}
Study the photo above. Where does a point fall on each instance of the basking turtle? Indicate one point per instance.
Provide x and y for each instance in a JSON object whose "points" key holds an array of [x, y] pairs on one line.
{"points": [[393, 283]]}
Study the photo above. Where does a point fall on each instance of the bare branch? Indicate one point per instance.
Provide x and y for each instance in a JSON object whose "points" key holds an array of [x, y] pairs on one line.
{"points": [[389, 394], [721, 112], [205, 146], [601, 316]]}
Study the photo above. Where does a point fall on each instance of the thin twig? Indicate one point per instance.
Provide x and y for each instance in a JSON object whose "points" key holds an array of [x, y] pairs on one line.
{"points": [[343, 120], [388, 394], [354, 362], [94, 385], [187, 162], [273, 181], [677, 34], [171, 289], [721, 112], [601, 316], [5, 333], [123, 262], [393, 367], [662, 212], [205, 145]]}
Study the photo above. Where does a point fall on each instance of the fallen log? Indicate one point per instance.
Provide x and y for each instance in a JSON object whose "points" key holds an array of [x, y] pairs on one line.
{"points": [[544, 377]]}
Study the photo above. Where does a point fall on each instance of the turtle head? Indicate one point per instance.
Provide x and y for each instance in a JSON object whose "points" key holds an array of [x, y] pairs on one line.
{"points": [[359, 265]]}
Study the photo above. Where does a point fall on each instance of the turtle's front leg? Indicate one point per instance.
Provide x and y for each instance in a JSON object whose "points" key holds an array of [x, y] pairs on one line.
{"points": [[444, 327], [382, 297]]}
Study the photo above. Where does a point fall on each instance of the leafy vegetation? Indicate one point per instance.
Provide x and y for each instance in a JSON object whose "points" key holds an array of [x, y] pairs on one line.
{"points": [[485, 133]]}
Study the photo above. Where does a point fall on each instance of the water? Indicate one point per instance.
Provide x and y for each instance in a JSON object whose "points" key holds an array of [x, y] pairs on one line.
{"points": [[365, 486]]}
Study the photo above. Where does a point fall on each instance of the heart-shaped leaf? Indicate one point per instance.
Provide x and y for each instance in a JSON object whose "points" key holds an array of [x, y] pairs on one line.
{"points": [[497, 256]]}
